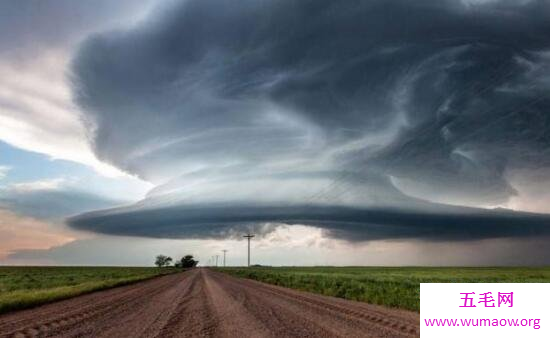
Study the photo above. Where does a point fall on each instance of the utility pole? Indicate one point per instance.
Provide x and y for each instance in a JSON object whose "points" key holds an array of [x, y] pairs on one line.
{"points": [[216, 260], [224, 251], [248, 236]]}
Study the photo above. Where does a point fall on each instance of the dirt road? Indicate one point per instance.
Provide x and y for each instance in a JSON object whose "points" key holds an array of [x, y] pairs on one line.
{"points": [[204, 303]]}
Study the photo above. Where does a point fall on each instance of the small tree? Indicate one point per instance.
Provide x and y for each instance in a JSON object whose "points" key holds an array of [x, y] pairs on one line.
{"points": [[162, 261], [187, 261]]}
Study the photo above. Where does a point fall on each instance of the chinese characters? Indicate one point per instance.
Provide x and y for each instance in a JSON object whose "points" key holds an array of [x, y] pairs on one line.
{"points": [[504, 299]]}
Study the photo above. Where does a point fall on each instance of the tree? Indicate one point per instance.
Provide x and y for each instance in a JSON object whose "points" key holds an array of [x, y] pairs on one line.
{"points": [[187, 261], [162, 260]]}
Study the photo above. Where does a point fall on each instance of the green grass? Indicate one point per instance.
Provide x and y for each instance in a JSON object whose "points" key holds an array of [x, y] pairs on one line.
{"points": [[397, 287], [24, 287]]}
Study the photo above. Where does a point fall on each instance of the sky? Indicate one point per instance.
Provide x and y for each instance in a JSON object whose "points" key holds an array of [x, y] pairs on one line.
{"points": [[366, 132]]}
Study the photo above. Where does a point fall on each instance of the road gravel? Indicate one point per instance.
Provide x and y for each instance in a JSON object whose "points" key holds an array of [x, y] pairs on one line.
{"points": [[205, 303]]}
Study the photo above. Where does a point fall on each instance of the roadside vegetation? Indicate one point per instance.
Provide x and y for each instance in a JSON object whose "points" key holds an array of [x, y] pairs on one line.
{"points": [[397, 287], [24, 287], [186, 262]]}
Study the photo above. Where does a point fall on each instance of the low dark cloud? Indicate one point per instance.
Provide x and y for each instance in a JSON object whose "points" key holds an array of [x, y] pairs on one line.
{"points": [[354, 224], [322, 112]]}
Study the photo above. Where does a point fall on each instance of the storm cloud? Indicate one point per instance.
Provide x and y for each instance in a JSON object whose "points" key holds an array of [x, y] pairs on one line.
{"points": [[360, 117], [214, 221]]}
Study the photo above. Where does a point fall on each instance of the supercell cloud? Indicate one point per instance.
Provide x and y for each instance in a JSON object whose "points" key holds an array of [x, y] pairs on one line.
{"points": [[366, 118]]}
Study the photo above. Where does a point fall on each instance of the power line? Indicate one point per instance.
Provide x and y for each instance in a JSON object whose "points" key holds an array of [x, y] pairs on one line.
{"points": [[248, 236], [224, 251]]}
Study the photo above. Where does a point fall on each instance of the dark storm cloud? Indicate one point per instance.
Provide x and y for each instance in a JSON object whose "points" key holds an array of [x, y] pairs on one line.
{"points": [[229, 102], [354, 224]]}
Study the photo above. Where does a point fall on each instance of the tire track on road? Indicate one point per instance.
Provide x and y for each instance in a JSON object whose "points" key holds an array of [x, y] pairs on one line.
{"points": [[205, 303], [325, 313]]}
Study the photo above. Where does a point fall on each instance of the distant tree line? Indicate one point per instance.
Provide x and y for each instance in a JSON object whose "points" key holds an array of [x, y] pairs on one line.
{"points": [[186, 261]]}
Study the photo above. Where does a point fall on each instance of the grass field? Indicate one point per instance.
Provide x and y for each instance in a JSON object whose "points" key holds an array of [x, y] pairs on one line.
{"points": [[23, 287], [395, 287]]}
